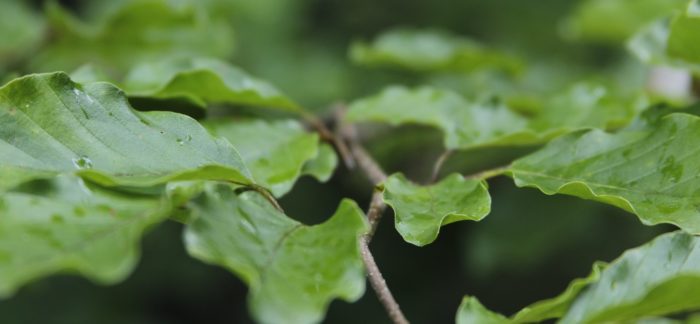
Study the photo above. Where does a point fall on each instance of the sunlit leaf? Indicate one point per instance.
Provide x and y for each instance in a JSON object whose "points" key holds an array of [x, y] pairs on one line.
{"points": [[65, 226], [203, 81], [468, 124], [420, 211], [293, 270], [649, 172], [51, 125], [276, 152], [429, 50]]}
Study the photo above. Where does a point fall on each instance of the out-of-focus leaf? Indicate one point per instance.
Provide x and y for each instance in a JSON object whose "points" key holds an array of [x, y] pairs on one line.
{"points": [[51, 125], [658, 278], [427, 50], [89, 73], [276, 152], [203, 81], [71, 227], [683, 39], [468, 124], [140, 31], [322, 166], [613, 21], [20, 29], [293, 270], [650, 172], [420, 211], [652, 44]]}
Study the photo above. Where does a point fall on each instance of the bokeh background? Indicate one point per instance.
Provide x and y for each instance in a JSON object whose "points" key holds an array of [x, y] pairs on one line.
{"points": [[529, 248]]}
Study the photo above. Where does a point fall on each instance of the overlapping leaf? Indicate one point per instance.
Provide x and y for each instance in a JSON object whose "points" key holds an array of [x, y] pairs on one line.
{"points": [[650, 172], [277, 153], [420, 211], [63, 225], [132, 34], [429, 51], [203, 81], [468, 124], [51, 125], [613, 21], [658, 278], [293, 270]]}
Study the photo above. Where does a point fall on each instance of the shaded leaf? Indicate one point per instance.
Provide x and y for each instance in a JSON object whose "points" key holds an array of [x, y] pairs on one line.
{"points": [[468, 124], [649, 172], [428, 50], [132, 34], [420, 211], [658, 278], [276, 152], [20, 29], [51, 125], [471, 311], [323, 165], [203, 81], [293, 270], [71, 227]]}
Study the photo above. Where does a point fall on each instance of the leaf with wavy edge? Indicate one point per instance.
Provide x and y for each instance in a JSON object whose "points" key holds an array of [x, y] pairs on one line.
{"points": [[203, 81], [130, 35], [658, 278], [650, 172], [50, 125], [429, 50], [468, 124], [420, 211], [276, 152], [323, 165], [293, 270], [67, 226], [471, 310]]}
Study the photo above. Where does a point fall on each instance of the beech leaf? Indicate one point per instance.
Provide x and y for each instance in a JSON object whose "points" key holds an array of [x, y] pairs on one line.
{"points": [[293, 270]]}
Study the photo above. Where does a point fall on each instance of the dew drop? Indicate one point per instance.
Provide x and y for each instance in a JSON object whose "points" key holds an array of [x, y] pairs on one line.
{"points": [[82, 162], [181, 141]]}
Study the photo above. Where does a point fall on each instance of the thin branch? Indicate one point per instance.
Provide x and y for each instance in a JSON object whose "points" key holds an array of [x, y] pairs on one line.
{"points": [[376, 209], [331, 137], [268, 196], [438, 164], [379, 285], [487, 174]]}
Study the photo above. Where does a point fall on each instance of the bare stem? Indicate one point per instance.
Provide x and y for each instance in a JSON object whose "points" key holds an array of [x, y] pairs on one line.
{"points": [[379, 284], [487, 174], [376, 175], [438, 164], [331, 137]]}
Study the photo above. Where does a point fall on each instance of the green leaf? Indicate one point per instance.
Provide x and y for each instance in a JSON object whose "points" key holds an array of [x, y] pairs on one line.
{"points": [[51, 125], [323, 165], [668, 43], [470, 311], [132, 34], [293, 270], [469, 125], [276, 152], [650, 172], [203, 81], [683, 38], [658, 278], [429, 50], [613, 21], [68, 226], [20, 29], [420, 211]]}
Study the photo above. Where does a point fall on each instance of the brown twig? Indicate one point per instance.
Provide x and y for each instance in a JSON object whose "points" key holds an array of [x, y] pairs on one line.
{"points": [[331, 137], [376, 175]]}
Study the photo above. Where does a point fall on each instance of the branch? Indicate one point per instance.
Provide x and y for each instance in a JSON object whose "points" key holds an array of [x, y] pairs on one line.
{"points": [[438, 164], [490, 173], [329, 136], [379, 285], [376, 175]]}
